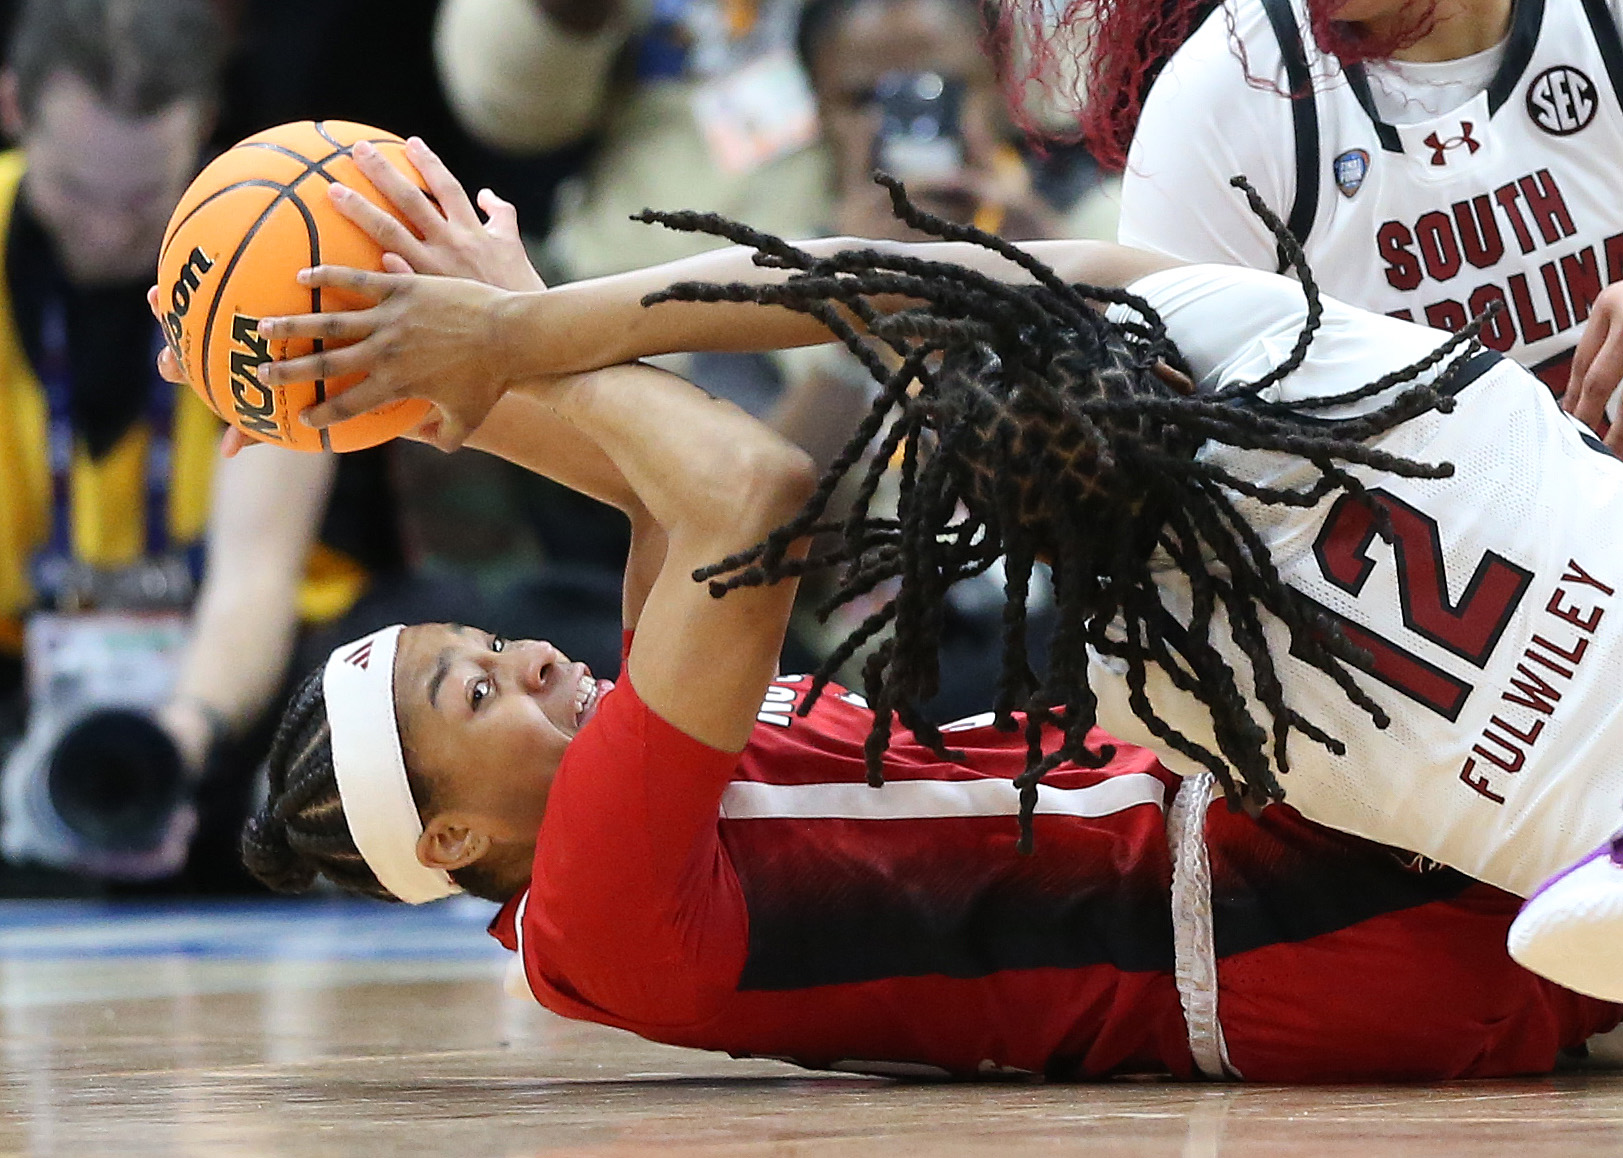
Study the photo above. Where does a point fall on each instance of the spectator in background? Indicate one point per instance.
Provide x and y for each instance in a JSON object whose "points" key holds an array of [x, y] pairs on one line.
{"points": [[134, 567], [858, 52], [694, 103]]}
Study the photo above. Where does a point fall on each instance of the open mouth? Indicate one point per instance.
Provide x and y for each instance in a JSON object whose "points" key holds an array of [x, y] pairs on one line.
{"points": [[587, 694]]}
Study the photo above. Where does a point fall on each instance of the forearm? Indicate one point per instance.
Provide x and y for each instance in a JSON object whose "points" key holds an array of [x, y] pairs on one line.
{"points": [[267, 507], [608, 434], [590, 324], [528, 431], [216, 694], [693, 463], [214, 676]]}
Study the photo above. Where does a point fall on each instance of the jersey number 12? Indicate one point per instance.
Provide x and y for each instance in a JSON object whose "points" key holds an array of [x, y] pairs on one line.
{"points": [[1469, 628]]}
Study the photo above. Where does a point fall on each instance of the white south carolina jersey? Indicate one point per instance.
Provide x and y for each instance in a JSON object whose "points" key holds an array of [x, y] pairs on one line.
{"points": [[1512, 197], [1495, 619]]}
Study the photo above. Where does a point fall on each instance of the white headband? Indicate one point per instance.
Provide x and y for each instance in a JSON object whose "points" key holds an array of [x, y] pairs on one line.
{"points": [[370, 768]]}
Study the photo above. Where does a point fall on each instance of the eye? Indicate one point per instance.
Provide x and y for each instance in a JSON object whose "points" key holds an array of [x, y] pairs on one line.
{"points": [[497, 643], [477, 692]]}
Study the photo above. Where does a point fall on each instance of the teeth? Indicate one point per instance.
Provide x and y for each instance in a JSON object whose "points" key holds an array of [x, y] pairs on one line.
{"points": [[584, 695]]}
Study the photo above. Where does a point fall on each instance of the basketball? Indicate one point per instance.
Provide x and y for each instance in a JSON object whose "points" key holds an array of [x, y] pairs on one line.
{"points": [[251, 220]]}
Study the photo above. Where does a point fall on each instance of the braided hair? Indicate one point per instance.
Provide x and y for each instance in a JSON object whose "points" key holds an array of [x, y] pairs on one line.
{"points": [[300, 831], [1031, 428]]}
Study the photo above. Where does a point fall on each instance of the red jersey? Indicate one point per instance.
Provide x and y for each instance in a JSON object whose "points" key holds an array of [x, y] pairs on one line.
{"points": [[771, 903]]}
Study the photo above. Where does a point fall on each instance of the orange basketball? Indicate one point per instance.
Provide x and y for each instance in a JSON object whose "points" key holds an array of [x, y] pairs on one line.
{"points": [[251, 220]]}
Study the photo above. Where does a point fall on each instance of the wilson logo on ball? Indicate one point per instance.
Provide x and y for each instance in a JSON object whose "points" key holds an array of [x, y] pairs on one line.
{"points": [[180, 294], [254, 403]]}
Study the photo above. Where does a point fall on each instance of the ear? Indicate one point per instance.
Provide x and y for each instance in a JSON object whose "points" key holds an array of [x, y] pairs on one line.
{"points": [[451, 841], [11, 105]]}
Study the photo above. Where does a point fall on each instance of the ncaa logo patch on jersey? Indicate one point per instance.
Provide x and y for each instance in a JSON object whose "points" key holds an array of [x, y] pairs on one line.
{"points": [[1562, 100], [1350, 168]]}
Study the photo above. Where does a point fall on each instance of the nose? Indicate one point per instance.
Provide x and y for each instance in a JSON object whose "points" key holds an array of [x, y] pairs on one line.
{"points": [[533, 659]]}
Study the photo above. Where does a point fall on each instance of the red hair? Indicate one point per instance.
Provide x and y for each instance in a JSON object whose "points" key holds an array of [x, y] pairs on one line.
{"points": [[1096, 59]]}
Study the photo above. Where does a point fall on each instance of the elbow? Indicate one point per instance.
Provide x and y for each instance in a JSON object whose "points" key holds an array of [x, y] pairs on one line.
{"points": [[772, 485], [747, 491]]}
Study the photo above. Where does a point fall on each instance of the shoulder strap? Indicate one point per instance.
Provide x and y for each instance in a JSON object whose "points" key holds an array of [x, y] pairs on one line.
{"points": [[1604, 26], [1304, 118]]}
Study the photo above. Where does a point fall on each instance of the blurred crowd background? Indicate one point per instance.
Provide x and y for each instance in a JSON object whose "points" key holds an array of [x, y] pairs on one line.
{"points": [[156, 601]]}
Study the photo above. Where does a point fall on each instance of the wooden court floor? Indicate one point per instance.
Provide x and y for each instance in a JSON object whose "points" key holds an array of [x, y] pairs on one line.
{"points": [[334, 1029]]}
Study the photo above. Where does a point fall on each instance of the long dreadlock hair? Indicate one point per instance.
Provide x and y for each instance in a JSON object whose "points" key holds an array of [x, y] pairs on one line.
{"points": [[1030, 427]]}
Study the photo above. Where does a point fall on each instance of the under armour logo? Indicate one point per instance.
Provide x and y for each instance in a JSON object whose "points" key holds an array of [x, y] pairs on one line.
{"points": [[1439, 148], [361, 656]]}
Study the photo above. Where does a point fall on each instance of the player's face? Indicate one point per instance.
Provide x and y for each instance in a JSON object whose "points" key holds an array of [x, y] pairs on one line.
{"points": [[487, 720], [102, 183]]}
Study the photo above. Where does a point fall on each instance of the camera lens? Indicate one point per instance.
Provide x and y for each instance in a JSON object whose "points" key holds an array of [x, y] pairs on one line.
{"points": [[115, 779]]}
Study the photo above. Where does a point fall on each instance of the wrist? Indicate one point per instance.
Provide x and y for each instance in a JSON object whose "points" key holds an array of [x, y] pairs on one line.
{"points": [[507, 352], [569, 329], [196, 727]]}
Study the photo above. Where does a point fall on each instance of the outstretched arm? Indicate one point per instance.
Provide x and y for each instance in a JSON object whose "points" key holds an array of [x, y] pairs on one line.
{"points": [[602, 321], [464, 345]]}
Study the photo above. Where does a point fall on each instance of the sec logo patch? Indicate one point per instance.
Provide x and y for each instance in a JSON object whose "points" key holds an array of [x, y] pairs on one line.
{"points": [[1562, 100]]}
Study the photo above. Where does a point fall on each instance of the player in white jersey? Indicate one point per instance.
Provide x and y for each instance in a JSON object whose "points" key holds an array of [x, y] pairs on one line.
{"points": [[1206, 527], [1427, 188]]}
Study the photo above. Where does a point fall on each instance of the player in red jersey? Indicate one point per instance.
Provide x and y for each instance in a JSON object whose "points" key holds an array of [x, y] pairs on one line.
{"points": [[783, 908], [685, 855]]}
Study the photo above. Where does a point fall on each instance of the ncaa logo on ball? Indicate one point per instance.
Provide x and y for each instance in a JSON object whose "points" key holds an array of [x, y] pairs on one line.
{"points": [[1349, 169], [1562, 100], [255, 405]]}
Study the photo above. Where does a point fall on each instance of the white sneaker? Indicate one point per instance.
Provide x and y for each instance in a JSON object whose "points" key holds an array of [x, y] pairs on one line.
{"points": [[1571, 930]]}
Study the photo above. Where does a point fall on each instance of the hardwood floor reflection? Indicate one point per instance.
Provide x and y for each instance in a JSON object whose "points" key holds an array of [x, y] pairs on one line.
{"points": [[280, 1053]]}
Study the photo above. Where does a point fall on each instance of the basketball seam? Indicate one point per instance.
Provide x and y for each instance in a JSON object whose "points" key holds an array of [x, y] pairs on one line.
{"points": [[310, 167], [318, 345], [318, 167], [321, 131], [286, 186], [225, 277]]}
